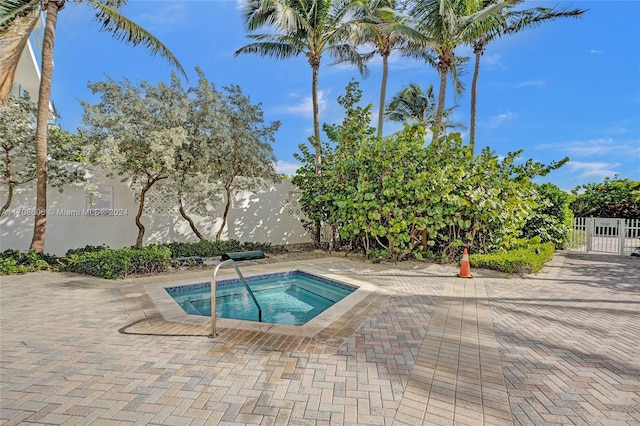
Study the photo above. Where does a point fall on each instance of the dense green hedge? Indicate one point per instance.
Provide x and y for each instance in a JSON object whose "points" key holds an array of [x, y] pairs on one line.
{"points": [[522, 260], [215, 248], [101, 261], [108, 263]]}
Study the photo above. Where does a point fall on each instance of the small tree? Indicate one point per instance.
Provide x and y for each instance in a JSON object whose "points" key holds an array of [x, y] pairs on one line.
{"points": [[17, 157], [246, 159], [134, 132], [197, 161], [16, 138]]}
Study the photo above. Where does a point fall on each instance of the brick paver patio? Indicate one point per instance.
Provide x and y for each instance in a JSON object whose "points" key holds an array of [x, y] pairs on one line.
{"points": [[425, 347]]}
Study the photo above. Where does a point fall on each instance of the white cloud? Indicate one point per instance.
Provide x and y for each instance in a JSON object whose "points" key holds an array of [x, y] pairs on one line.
{"points": [[596, 52], [590, 147], [595, 169], [287, 168], [593, 147], [531, 83], [498, 120], [305, 106]]}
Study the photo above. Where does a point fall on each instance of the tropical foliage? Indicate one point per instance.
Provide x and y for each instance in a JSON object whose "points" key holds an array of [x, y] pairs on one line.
{"points": [[551, 219], [507, 21], [311, 28], [395, 198], [609, 198], [391, 197], [374, 25], [444, 24], [412, 105]]}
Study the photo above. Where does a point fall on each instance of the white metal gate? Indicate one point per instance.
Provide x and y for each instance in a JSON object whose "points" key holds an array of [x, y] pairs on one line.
{"points": [[605, 235]]}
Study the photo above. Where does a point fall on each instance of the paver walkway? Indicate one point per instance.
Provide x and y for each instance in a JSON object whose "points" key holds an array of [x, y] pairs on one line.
{"points": [[561, 347]]}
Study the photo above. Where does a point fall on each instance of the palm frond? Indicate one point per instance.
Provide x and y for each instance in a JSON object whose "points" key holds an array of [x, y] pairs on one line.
{"points": [[274, 14], [13, 39], [346, 53], [456, 71], [124, 29], [12, 9], [490, 10], [273, 49], [518, 20], [412, 105]]}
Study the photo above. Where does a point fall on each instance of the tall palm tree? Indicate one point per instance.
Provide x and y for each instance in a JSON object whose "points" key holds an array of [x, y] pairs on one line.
{"points": [[412, 105], [379, 23], [509, 21], [444, 23], [308, 27], [108, 16]]}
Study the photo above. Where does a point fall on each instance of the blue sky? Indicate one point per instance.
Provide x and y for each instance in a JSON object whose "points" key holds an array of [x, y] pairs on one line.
{"points": [[570, 87]]}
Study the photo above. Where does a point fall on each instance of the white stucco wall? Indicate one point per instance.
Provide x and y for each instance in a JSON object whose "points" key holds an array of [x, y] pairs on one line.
{"points": [[268, 215]]}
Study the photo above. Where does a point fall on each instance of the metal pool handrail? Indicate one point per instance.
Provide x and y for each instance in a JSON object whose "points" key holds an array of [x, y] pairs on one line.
{"points": [[213, 294]]}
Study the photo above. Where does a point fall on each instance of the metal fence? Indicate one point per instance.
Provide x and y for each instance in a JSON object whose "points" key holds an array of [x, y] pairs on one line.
{"points": [[605, 235]]}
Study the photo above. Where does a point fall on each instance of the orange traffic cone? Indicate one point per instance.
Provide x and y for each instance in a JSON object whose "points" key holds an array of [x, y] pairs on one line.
{"points": [[465, 267]]}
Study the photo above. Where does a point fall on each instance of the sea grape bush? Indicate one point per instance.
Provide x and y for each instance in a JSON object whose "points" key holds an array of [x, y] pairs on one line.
{"points": [[396, 198], [551, 219], [611, 198]]}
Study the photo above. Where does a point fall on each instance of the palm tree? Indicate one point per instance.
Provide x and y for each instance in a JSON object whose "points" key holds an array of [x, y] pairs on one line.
{"points": [[480, 34], [107, 14], [444, 24], [377, 22], [412, 105], [308, 27]]}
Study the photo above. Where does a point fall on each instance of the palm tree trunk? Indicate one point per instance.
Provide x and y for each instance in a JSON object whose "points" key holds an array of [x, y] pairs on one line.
{"points": [[227, 191], [442, 94], [383, 92], [186, 217], [44, 96], [315, 66], [474, 89]]}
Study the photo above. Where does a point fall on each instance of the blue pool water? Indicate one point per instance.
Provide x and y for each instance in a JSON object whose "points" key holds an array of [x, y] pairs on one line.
{"points": [[292, 297]]}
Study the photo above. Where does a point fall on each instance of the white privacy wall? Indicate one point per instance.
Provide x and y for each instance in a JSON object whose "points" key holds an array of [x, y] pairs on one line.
{"points": [[268, 215]]}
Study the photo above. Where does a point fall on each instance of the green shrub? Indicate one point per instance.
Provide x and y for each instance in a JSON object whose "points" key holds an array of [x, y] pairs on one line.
{"points": [[17, 262], [112, 264], [551, 219], [9, 266], [86, 249], [213, 248], [522, 260]]}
